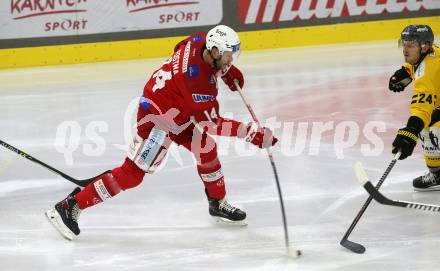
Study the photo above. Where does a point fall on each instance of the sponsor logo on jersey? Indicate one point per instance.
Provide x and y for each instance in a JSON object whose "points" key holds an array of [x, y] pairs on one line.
{"points": [[200, 98], [197, 38], [185, 57], [193, 71]]}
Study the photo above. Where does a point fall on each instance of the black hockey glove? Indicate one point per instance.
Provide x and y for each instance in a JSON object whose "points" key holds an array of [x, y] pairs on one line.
{"points": [[399, 80], [406, 138], [405, 142]]}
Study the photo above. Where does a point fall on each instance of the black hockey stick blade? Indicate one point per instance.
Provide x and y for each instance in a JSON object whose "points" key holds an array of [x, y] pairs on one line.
{"points": [[355, 247], [82, 183], [379, 197]]}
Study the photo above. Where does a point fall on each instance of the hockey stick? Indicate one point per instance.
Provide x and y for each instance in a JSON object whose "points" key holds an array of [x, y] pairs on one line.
{"points": [[353, 246], [82, 183], [379, 197], [292, 252]]}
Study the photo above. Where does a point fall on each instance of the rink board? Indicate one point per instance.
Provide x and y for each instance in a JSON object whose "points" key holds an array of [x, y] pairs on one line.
{"points": [[251, 40]]}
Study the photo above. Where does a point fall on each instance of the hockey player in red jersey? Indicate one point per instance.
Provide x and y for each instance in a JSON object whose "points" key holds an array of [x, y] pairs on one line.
{"points": [[179, 104]]}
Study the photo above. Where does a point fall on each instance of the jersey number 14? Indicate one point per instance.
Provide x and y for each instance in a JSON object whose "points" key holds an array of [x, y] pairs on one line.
{"points": [[161, 77]]}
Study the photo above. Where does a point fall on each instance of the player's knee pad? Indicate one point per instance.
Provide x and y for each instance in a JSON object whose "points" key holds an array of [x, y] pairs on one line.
{"points": [[430, 144], [128, 175], [213, 179], [148, 153], [207, 156]]}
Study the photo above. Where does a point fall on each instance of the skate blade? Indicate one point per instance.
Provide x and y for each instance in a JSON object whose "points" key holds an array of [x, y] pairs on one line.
{"points": [[227, 222], [430, 189], [57, 222]]}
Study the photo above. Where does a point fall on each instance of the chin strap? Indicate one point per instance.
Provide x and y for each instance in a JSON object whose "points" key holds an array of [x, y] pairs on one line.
{"points": [[214, 62]]}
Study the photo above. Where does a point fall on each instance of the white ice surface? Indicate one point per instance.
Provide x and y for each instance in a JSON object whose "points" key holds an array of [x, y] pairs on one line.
{"points": [[164, 224]]}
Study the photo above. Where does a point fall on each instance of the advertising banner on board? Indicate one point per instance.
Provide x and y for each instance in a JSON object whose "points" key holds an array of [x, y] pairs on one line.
{"points": [[49, 18], [312, 11], [25, 23]]}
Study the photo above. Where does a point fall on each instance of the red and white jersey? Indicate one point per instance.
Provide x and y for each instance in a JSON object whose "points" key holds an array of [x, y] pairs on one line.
{"points": [[184, 82]]}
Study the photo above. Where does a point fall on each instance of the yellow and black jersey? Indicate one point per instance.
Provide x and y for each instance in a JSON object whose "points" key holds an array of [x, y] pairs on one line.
{"points": [[426, 80]]}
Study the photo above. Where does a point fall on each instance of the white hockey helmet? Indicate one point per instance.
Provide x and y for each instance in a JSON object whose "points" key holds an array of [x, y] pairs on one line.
{"points": [[225, 39]]}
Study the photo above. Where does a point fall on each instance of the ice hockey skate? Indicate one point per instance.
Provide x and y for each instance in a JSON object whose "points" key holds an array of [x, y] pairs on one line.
{"points": [[64, 216], [428, 182], [224, 213]]}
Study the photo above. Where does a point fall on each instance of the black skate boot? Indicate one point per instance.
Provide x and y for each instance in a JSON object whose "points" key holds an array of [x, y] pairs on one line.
{"points": [[428, 182], [223, 212], [64, 217]]}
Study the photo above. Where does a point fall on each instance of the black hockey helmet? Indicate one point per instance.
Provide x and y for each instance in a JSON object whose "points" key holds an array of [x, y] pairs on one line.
{"points": [[419, 32]]}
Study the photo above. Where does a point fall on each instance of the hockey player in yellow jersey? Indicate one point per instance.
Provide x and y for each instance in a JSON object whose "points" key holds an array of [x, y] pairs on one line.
{"points": [[422, 67]]}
